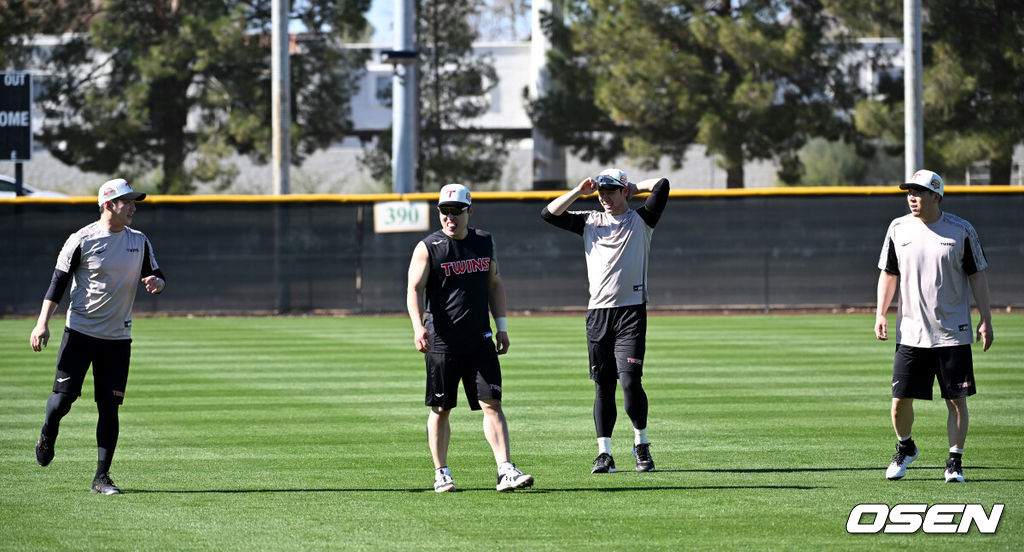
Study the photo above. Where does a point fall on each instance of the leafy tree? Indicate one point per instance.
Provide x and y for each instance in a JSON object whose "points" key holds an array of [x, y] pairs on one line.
{"points": [[153, 83], [841, 164], [454, 87], [749, 80], [973, 87]]}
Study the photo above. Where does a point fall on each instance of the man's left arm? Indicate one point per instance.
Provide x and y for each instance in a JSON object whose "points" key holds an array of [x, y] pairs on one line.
{"points": [[496, 301], [655, 203], [152, 276], [979, 288]]}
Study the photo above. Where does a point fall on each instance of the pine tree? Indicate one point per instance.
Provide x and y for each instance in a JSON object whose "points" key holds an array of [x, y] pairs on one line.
{"points": [[155, 85], [748, 80]]}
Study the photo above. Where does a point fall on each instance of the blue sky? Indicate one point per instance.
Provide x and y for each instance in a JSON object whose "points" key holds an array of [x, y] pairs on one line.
{"points": [[380, 15]]}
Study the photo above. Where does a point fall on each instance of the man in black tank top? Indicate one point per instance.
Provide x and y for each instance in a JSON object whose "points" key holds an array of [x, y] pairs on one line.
{"points": [[456, 270]]}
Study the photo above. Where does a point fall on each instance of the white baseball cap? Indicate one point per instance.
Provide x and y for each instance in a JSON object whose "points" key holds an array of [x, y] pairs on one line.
{"points": [[924, 180], [117, 188], [616, 178], [454, 195]]}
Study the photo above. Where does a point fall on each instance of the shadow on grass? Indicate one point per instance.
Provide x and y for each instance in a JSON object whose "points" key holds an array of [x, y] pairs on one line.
{"points": [[681, 488], [257, 491], [820, 470], [619, 489], [486, 489]]}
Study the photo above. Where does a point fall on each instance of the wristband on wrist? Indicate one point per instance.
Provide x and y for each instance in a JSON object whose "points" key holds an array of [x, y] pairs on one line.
{"points": [[501, 324]]}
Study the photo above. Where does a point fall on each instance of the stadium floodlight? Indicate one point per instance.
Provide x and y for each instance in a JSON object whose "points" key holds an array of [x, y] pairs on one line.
{"points": [[399, 57]]}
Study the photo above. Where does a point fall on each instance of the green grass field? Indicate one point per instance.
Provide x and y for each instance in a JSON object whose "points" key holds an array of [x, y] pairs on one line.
{"points": [[308, 433]]}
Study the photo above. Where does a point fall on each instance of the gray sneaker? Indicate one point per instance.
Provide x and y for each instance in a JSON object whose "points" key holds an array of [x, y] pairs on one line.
{"points": [[104, 485]]}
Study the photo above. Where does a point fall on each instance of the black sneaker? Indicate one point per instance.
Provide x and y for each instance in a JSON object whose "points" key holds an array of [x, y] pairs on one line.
{"points": [[644, 462], [103, 485], [954, 471], [44, 450], [604, 464]]}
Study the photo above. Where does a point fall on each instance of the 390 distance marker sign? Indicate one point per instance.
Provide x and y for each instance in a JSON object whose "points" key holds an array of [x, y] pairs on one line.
{"points": [[400, 216]]}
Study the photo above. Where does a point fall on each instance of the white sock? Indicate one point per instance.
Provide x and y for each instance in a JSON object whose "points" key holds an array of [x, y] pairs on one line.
{"points": [[956, 450], [505, 466], [907, 438], [604, 445], [640, 436]]}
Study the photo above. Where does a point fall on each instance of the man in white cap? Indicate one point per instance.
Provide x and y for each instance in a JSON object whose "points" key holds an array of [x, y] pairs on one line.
{"points": [[932, 257], [104, 263], [455, 268], [617, 242]]}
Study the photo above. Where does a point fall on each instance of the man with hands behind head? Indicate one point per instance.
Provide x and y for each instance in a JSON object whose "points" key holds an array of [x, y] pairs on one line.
{"points": [[617, 243]]}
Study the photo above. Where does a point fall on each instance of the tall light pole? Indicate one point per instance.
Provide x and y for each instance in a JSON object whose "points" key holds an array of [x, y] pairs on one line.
{"points": [[913, 123], [280, 91], [404, 85], [548, 157]]}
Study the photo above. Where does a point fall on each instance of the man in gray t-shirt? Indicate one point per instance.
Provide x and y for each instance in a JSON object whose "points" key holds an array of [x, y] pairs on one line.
{"points": [[933, 258], [617, 244], [104, 263]]}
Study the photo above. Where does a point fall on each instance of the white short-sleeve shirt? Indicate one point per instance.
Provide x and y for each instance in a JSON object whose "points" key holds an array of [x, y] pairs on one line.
{"points": [[105, 281], [617, 250], [933, 262]]}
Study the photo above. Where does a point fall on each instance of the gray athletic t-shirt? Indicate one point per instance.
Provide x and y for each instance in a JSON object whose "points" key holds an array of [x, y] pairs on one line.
{"points": [[617, 249], [104, 283], [933, 262]]}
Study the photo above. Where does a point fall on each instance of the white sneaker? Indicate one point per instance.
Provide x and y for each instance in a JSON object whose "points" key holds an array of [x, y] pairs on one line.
{"points": [[954, 471], [898, 468], [513, 479], [443, 481]]}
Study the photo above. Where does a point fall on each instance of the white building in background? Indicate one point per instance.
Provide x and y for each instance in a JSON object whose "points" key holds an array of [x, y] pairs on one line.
{"points": [[338, 170], [371, 109]]}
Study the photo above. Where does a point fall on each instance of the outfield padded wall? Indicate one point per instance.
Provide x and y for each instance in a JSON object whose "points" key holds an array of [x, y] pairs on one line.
{"points": [[319, 253]]}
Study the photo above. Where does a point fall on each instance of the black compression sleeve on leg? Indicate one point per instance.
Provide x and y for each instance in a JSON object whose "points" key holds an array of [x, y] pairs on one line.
{"points": [[604, 408], [57, 406], [107, 429], [634, 399]]}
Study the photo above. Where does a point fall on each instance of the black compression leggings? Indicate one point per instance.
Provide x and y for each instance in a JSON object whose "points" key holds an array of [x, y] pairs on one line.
{"points": [[634, 398], [107, 426]]}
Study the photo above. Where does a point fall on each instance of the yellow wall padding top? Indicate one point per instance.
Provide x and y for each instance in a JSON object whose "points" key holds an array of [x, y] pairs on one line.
{"points": [[524, 195]]}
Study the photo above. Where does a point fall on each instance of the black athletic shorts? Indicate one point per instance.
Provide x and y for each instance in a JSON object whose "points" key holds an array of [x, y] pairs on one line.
{"points": [[616, 341], [479, 373], [914, 371], [109, 359]]}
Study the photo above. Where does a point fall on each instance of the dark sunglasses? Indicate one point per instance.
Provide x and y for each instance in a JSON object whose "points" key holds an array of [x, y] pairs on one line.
{"points": [[607, 183], [451, 211]]}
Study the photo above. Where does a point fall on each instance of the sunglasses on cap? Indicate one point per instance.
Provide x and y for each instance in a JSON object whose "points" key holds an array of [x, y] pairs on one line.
{"points": [[451, 211], [607, 183]]}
